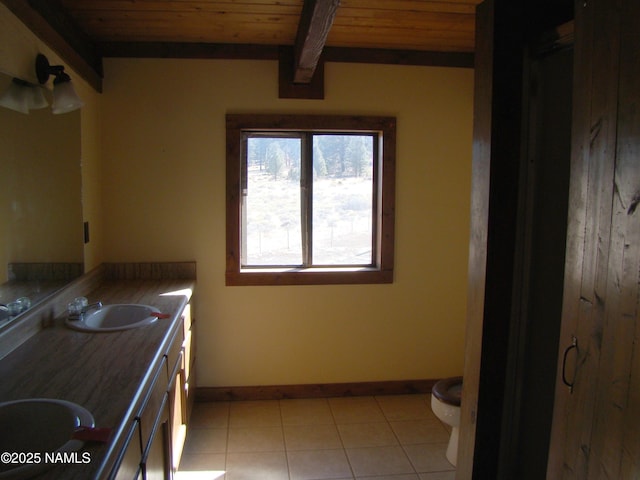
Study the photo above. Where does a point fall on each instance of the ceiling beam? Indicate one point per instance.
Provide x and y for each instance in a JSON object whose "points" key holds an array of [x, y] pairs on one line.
{"points": [[315, 22], [273, 52], [398, 57], [226, 51], [313, 90]]}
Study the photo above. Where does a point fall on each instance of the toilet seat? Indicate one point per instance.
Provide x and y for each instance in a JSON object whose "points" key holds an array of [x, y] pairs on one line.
{"points": [[448, 390]]}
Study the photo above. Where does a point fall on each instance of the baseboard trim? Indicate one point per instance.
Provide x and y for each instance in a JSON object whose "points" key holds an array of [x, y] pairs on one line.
{"points": [[280, 392]]}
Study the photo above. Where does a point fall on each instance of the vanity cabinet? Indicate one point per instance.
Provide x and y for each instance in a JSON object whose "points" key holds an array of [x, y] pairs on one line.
{"points": [[153, 422], [179, 394], [155, 459], [189, 359], [180, 361], [177, 413], [138, 383], [156, 438], [129, 460]]}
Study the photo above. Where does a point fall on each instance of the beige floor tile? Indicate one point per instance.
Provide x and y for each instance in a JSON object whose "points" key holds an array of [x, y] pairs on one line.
{"points": [[439, 476], [318, 465], [210, 415], [356, 410], [372, 461], [203, 462], [429, 457], [256, 439], [405, 407], [367, 434], [202, 475], [255, 414], [311, 437], [408, 476], [254, 466], [420, 431], [312, 411], [366, 438], [206, 440]]}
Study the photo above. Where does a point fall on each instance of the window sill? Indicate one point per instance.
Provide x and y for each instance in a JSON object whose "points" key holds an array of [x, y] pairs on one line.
{"points": [[308, 276]]}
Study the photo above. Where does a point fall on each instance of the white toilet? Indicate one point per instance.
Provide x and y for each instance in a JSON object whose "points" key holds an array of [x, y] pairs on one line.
{"points": [[445, 403]]}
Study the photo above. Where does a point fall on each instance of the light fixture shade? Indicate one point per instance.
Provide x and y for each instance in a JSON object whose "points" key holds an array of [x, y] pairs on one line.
{"points": [[65, 98], [16, 97], [37, 99]]}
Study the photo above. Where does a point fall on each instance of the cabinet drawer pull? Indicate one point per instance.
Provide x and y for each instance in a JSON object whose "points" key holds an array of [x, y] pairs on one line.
{"points": [[574, 345]]}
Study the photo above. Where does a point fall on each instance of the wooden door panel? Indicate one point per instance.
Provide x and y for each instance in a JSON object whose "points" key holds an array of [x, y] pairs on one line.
{"points": [[595, 433], [615, 411], [575, 310], [588, 233], [629, 153]]}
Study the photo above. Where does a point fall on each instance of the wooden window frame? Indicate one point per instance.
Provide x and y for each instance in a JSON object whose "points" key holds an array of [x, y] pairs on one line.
{"points": [[382, 270]]}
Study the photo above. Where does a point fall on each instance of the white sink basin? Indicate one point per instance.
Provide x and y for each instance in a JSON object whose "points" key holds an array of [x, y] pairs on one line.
{"points": [[115, 317], [37, 426]]}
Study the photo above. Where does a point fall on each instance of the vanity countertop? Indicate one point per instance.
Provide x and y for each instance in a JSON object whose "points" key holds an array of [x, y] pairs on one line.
{"points": [[104, 372]]}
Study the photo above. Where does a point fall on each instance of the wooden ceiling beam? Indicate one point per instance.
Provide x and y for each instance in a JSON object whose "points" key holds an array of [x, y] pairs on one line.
{"points": [[315, 22], [385, 56], [274, 52], [227, 51]]}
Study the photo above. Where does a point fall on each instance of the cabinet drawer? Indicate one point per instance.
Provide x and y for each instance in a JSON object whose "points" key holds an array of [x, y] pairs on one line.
{"points": [[177, 415], [128, 465], [187, 320], [189, 354], [175, 348], [153, 403], [189, 390], [155, 460]]}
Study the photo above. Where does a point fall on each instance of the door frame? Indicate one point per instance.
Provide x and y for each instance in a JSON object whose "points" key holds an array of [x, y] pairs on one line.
{"points": [[495, 274]]}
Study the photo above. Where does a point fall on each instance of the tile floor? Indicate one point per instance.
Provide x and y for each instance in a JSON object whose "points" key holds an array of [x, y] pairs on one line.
{"points": [[375, 438]]}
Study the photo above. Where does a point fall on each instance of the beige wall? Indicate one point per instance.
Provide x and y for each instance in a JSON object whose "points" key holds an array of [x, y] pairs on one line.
{"points": [[152, 153], [163, 196]]}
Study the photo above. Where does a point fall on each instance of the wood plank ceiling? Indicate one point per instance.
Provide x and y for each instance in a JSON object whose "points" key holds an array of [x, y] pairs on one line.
{"points": [[377, 31], [445, 25]]}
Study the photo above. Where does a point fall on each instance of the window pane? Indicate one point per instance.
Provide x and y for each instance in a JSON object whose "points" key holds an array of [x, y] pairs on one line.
{"points": [[342, 199], [271, 213]]}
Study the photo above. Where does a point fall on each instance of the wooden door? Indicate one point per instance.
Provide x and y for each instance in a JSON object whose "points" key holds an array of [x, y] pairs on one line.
{"points": [[595, 432], [534, 341]]}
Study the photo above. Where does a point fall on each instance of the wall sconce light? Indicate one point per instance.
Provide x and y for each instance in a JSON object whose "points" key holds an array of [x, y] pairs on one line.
{"points": [[65, 98], [23, 96]]}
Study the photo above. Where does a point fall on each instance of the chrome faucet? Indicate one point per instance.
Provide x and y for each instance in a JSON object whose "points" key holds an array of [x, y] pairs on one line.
{"points": [[96, 306], [78, 313]]}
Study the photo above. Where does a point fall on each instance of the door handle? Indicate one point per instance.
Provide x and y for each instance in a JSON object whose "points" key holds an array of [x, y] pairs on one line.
{"points": [[574, 345]]}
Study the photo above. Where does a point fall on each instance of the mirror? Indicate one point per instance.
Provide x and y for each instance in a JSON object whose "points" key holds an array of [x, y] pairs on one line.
{"points": [[41, 231]]}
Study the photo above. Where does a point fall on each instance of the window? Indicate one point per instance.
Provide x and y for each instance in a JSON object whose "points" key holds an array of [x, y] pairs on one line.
{"points": [[310, 199]]}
